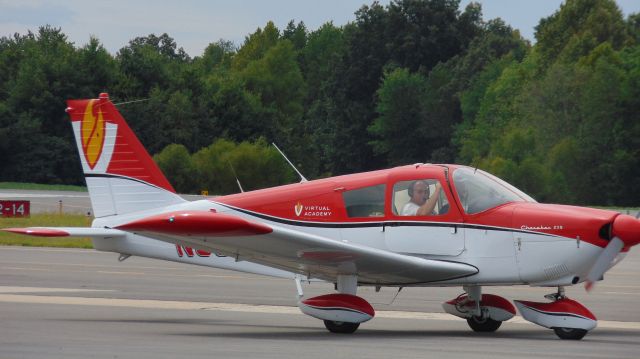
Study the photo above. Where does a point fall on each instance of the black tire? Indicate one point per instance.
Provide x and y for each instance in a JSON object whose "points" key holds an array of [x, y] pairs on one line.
{"points": [[570, 333], [484, 325], [341, 327]]}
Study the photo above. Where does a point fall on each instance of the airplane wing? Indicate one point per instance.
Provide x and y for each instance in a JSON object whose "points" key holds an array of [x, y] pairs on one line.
{"points": [[293, 250]]}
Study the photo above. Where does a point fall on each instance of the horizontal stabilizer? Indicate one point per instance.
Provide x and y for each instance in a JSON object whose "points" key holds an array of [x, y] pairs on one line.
{"points": [[66, 232], [197, 223]]}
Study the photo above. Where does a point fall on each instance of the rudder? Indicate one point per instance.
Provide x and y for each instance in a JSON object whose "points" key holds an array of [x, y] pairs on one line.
{"points": [[120, 174]]}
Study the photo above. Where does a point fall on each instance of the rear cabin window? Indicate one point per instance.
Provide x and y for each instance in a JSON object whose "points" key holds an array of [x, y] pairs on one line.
{"points": [[365, 202]]}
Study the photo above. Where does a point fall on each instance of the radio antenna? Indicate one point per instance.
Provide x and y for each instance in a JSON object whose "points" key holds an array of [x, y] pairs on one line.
{"points": [[133, 101], [302, 178], [475, 169], [235, 175]]}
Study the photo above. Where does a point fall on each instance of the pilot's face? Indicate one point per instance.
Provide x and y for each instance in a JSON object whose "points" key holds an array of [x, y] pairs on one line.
{"points": [[420, 193]]}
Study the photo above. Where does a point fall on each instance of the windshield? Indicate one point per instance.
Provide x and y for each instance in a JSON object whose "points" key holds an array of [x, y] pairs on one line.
{"points": [[479, 190]]}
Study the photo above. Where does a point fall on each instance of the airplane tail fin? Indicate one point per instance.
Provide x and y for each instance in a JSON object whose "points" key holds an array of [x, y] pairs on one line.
{"points": [[121, 176]]}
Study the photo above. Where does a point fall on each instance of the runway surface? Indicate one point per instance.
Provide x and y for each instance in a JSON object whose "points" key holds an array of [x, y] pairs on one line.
{"points": [[66, 303]]}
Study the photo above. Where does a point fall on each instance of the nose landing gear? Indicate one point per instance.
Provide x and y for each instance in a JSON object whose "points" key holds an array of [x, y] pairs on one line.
{"points": [[569, 319]]}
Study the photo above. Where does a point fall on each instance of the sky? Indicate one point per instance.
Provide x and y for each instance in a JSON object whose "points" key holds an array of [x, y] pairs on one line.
{"points": [[196, 23]]}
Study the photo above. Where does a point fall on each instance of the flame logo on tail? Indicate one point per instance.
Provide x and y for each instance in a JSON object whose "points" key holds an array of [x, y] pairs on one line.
{"points": [[92, 129]]}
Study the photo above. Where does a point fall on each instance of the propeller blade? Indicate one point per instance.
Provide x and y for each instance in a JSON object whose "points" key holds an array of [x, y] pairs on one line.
{"points": [[603, 262]]}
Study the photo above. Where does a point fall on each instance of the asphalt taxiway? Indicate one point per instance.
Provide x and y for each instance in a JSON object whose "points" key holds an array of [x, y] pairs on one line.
{"points": [[68, 303]]}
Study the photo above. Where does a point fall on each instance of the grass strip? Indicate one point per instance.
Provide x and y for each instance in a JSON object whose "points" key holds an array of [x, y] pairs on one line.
{"points": [[42, 187], [45, 220]]}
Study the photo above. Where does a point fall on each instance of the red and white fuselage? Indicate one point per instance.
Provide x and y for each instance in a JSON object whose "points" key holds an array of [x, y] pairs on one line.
{"points": [[416, 225]]}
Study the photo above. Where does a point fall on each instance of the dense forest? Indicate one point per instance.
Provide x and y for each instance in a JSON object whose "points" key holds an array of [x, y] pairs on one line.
{"points": [[413, 81]]}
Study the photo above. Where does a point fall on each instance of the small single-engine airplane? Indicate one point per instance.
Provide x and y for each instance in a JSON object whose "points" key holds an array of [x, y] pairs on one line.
{"points": [[417, 225]]}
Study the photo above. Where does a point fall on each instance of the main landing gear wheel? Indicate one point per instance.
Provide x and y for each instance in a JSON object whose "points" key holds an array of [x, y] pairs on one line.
{"points": [[570, 333], [341, 327], [485, 325]]}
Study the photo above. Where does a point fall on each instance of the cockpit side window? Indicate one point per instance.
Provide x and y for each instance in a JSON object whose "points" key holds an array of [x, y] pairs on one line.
{"points": [[365, 202], [420, 197], [479, 191]]}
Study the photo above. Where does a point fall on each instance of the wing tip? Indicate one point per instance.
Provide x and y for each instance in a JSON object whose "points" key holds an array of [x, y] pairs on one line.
{"points": [[38, 232]]}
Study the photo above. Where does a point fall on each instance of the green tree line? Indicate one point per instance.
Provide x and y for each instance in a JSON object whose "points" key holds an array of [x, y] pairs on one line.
{"points": [[412, 81]]}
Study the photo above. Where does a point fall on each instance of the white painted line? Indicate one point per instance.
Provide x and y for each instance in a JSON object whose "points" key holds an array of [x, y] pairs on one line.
{"points": [[245, 308], [9, 289], [622, 293], [116, 265], [103, 302], [75, 268], [23, 269], [51, 249], [617, 286], [120, 273]]}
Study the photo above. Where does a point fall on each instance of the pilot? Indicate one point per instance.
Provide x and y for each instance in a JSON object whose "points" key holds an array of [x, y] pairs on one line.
{"points": [[420, 204]]}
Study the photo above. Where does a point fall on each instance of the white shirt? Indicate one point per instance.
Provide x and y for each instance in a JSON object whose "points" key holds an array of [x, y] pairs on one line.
{"points": [[410, 209]]}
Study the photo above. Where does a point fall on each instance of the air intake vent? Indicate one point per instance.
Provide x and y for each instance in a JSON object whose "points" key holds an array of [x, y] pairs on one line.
{"points": [[605, 232], [556, 271]]}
